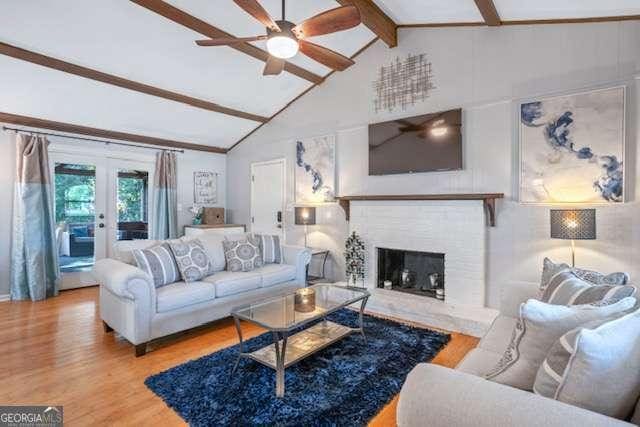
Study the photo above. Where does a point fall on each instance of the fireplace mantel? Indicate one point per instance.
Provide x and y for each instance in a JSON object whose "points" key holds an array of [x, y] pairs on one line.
{"points": [[488, 201]]}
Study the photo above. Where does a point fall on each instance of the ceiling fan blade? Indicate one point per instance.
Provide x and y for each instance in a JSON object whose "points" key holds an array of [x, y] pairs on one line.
{"points": [[253, 8], [223, 41], [274, 66], [331, 21], [325, 56]]}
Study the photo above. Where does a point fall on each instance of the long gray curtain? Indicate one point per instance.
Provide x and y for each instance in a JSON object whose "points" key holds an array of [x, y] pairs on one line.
{"points": [[165, 212], [34, 256]]}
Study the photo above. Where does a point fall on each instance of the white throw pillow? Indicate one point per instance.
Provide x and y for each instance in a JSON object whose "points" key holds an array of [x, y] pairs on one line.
{"points": [[540, 325], [596, 367]]}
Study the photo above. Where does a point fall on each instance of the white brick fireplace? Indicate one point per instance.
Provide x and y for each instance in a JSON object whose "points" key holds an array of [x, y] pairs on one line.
{"points": [[456, 228]]}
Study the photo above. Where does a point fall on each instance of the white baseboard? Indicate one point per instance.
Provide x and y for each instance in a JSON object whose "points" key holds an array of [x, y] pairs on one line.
{"points": [[5, 297]]}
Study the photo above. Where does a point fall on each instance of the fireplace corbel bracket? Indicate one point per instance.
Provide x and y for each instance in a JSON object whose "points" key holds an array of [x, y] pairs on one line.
{"points": [[490, 211], [488, 201], [345, 204]]}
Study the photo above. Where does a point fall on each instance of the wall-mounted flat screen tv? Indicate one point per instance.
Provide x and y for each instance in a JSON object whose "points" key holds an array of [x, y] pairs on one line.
{"points": [[427, 143]]}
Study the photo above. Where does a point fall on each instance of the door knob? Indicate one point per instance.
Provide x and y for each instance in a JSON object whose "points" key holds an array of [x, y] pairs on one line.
{"points": [[101, 225], [101, 216]]}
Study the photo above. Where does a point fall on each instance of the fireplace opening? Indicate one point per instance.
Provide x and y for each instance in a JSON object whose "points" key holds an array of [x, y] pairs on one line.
{"points": [[418, 273]]}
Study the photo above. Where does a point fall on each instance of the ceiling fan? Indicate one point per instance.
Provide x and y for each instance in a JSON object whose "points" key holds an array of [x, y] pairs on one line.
{"points": [[285, 39]]}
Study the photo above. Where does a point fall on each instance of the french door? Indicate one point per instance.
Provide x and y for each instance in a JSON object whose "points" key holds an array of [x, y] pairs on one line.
{"points": [[97, 201]]}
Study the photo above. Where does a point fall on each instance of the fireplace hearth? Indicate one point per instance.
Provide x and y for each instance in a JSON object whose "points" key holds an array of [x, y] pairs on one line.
{"points": [[418, 273]]}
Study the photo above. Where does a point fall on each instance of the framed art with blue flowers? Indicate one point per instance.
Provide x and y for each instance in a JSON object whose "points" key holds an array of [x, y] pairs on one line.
{"points": [[572, 148]]}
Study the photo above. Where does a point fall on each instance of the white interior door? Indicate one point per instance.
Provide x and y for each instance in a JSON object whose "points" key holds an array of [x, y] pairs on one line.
{"points": [[268, 197]]}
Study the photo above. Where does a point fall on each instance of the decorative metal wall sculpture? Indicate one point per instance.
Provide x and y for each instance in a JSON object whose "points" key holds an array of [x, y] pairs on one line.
{"points": [[403, 83]]}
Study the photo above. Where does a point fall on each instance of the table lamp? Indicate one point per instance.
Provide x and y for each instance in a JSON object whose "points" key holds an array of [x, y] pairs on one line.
{"points": [[573, 224], [305, 216]]}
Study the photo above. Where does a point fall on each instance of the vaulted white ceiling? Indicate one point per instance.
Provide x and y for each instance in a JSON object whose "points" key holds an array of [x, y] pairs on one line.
{"points": [[127, 40], [406, 12]]}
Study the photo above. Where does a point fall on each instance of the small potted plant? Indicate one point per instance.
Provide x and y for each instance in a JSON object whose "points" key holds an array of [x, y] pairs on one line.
{"points": [[197, 214]]}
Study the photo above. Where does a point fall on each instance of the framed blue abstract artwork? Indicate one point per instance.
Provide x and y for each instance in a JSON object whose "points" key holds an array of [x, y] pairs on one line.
{"points": [[572, 148], [315, 169]]}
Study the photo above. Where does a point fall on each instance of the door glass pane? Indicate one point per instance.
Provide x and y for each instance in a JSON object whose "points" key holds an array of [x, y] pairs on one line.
{"points": [[75, 197], [133, 204]]}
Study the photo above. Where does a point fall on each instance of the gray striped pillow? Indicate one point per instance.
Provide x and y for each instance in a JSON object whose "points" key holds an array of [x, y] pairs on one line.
{"points": [[566, 288], [550, 269], [270, 248], [159, 263]]}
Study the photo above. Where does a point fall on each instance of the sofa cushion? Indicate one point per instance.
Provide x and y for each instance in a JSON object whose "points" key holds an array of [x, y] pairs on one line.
{"points": [[499, 334], [596, 367], [540, 325], [191, 258], [159, 263], [274, 274], [123, 249], [182, 294], [234, 282], [479, 361], [242, 255], [212, 243], [566, 288]]}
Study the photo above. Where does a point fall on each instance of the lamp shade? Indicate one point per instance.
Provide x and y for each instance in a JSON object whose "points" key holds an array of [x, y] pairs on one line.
{"points": [[573, 224], [305, 215]]}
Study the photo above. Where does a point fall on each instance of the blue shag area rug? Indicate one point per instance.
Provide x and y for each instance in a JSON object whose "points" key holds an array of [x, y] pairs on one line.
{"points": [[345, 384]]}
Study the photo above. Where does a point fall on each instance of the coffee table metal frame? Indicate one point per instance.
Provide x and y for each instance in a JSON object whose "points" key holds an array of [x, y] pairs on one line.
{"points": [[332, 332]]}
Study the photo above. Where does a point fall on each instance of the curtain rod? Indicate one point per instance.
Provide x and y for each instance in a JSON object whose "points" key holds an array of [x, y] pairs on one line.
{"points": [[35, 132]]}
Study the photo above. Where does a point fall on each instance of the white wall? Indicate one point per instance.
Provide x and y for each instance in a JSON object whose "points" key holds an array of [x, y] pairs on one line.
{"points": [[485, 71], [188, 162]]}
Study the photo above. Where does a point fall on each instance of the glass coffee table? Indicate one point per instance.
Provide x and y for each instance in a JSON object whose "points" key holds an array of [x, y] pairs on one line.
{"points": [[281, 315]]}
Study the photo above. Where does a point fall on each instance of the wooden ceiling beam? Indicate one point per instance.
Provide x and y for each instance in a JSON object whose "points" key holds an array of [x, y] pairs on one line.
{"points": [[526, 22], [489, 12], [178, 16], [34, 122], [376, 20], [67, 67]]}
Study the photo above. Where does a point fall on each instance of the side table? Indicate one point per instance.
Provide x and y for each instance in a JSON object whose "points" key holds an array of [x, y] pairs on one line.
{"points": [[318, 252]]}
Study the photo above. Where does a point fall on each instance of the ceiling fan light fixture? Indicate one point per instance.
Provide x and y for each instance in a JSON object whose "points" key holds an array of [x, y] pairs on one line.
{"points": [[282, 46]]}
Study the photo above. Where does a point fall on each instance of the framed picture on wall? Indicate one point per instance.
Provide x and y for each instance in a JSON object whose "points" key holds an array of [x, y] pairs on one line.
{"points": [[205, 188], [315, 169], [572, 148]]}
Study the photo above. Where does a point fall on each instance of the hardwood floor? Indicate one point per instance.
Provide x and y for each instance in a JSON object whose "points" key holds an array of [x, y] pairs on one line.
{"points": [[56, 352]]}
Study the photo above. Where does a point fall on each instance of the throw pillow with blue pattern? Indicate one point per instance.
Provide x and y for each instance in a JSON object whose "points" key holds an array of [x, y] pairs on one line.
{"points": [[242, 255], [191, 258]]}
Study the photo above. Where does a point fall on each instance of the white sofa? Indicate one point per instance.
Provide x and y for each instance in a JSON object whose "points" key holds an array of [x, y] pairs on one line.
{"points": [[437, 396], [140, 312]]}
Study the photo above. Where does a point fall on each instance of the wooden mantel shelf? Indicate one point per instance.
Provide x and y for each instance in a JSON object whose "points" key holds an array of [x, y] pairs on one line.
{"points": [[488, 201]]}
